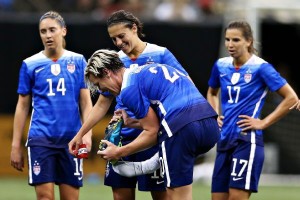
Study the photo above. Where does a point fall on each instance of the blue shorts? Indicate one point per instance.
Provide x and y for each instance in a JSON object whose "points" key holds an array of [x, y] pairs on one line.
{"points": [[239, 167], [179, 152], [148, 182], [54, 165]]}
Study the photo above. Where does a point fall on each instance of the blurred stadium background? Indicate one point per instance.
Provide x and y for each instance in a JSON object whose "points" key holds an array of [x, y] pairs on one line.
{"points": [[193, 31]]}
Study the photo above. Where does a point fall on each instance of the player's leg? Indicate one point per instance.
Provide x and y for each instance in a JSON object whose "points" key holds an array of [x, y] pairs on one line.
{"points": [[176, 157], [154, 181], [219, 196], [131, 169], [159, 195], [123, 193], [44, 191], [221, 175], [247, 163], [41, 162], [180, 151], [178, 193], [68, 192], [69, 176], [235, 193], [123, 188]]}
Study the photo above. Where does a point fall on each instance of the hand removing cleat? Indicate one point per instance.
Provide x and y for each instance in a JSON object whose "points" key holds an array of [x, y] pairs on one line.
{"points": [[112, 134]]}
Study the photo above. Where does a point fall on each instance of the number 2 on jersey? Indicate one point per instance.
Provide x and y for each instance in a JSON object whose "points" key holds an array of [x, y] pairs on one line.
{"points": [[167, 75]]}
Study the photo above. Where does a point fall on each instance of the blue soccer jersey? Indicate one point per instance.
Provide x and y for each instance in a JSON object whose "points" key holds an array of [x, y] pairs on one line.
{"points": [[151, 54], [171, 93], [55, 89], [243, 92]]}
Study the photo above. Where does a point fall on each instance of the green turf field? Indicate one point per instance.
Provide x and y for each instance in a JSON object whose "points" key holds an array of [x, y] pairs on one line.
{"points": [[17, 189]]}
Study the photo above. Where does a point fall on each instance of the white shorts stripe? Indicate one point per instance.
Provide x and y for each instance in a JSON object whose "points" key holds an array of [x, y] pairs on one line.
{"points": [[29, 165], [251, 158], [164, 155]]}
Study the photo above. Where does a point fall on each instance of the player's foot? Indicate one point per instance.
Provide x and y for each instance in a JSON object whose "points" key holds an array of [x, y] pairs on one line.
{"points": [[130, 169]]}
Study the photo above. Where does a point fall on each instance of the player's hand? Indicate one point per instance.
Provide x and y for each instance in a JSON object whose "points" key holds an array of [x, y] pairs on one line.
{"points": [[117, 115], [128, 121], [17, 158], [74, 145], [296, 106], [220, 121], [248, 123], [111, 152], [87, 139], [122, 113]]}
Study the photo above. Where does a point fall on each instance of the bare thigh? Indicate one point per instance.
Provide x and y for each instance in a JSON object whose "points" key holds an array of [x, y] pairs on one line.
{"points": [[44, 191], [68, 192]]}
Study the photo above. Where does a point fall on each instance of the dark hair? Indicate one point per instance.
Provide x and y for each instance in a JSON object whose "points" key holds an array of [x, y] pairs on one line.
{"points": [[246, 30], [100, 60], [127, 18]]}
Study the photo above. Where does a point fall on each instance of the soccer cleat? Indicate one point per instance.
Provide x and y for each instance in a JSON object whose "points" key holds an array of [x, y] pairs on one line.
{"points": [[112, 134]]}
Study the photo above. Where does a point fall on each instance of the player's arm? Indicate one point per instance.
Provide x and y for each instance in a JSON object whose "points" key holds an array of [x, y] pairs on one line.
{"points": [[22, 110], [146, 139], [86, 106], [97, 113], [289, 99], [296, 106], [128, 122], [214, 100]]}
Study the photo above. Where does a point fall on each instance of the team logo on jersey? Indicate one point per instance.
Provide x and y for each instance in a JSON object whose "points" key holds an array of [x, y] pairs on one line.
{"points": [[55, 69], [71, 67], [235, 78], [36, 168], [248, 76], [149, 60]]}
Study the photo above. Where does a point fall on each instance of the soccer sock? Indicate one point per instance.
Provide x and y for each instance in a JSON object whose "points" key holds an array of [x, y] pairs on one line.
{"points": [[130, 169]]}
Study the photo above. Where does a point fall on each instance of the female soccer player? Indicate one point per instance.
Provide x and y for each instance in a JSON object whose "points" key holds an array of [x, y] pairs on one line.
{"points": [[167, 107], [126, 32], [243, 80], [53, 80]]}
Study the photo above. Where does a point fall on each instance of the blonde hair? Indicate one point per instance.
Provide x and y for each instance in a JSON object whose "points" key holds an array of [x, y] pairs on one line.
{"points": [[100, 60]]}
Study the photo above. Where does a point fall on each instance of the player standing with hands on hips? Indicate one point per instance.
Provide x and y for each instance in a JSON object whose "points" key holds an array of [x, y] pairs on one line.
{"points": [[53, 80], [172, 113], [243, 80]]}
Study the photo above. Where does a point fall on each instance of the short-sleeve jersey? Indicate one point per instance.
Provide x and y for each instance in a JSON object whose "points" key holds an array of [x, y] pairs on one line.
{"points": [[151, 54], [243, 92], [55, 90], [172, 95]]}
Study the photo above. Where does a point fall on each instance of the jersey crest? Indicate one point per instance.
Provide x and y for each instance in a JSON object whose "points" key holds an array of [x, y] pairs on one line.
{"points": [[71, 67], [235, 78], [247, 77], [55, 69]]}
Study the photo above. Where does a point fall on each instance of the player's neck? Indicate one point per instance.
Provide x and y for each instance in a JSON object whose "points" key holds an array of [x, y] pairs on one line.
{"points": [[53, 54], [239, 62], [137, 51]]}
